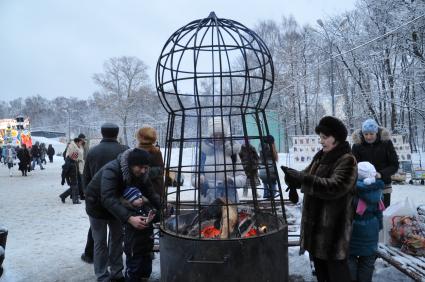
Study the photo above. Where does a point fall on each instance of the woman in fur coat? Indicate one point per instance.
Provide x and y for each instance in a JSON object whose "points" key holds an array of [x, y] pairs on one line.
{"points": [[328, 184]]}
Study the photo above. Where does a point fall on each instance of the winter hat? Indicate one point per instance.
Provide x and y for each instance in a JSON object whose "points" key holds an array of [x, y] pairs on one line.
{"points": [[138, 157], [215, 126], [131, 194], [366, 172], [109, 130], [146, 135], [331, 126], [370, 126]]}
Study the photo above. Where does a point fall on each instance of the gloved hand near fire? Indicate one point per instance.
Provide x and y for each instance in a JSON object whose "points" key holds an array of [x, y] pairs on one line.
{"points": [[293, 178]]}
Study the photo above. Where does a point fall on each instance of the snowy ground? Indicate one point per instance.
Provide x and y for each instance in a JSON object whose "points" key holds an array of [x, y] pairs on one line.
{"points": [[46, 237]]}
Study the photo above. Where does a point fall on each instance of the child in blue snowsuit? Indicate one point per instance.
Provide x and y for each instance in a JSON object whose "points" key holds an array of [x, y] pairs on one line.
{"points": [[367, 223]]}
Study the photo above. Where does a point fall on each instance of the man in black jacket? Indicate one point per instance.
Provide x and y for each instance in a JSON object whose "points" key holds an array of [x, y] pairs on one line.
{"points": [[104, 208], [107, 150]]}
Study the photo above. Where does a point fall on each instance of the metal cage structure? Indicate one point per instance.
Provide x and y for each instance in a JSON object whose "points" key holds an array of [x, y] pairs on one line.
{"points": [[215, 78]]}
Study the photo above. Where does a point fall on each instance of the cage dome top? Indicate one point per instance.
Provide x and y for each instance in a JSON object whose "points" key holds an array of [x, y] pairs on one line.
{"points": [[214, 64]]}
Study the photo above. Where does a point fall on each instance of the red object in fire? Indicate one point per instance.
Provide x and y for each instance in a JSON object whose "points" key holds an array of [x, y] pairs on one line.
{"points": [[210, 232], [251, 233]]}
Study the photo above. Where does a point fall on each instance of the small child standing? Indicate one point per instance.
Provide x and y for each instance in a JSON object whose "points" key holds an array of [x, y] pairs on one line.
{"points": [[367, 223], [138, 244]]}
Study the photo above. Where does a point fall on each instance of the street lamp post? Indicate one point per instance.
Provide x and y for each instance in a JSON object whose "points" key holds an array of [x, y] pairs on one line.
{"points": [[320, 23]]}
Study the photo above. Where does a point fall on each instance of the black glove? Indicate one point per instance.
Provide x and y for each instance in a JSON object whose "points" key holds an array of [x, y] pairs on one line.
{"points": [[293, 178], [293, 194], [63, 181]]}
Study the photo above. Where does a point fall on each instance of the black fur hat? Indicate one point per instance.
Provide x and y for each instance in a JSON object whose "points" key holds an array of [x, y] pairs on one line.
{"points": [[331, 126]]}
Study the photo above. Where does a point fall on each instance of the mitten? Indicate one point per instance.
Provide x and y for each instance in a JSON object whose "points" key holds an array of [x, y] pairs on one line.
{"points": [[293, 194]]}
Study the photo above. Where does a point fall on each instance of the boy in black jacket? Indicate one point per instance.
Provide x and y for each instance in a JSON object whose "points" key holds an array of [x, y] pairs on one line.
{"points": [[138, 244]]}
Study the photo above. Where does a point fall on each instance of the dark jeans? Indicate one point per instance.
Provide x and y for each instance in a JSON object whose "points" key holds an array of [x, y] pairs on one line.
{"points": [[80, 186], [51, 158], [387, 199], [269, 190], [88, 251], [332, 270], [138, 266], [361, 268]]}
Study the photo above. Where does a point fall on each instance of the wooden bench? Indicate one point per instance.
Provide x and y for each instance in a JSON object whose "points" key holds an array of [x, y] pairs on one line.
{"points": [[412, 266]]}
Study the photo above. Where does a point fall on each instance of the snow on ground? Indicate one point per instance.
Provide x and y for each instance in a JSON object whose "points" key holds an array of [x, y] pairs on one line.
{"points": [[46, 238]]}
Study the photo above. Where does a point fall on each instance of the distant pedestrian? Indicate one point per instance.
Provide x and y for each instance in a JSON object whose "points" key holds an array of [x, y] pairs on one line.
{"points": [[50, 152], [74, 154], [24, 159], [36, 155], [43, 153], [69, 175], [10, 157]]}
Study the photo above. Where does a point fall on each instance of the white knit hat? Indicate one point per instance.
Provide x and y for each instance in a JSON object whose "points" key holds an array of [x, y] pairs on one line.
{"points": [[215, 126], [366, 172]]}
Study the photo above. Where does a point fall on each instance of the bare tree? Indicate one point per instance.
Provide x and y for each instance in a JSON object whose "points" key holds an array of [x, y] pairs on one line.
{"points": [[121, 83]]}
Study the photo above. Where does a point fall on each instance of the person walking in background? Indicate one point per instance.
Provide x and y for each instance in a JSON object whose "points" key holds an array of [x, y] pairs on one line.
{"points": [[373, 144], [268, 156], [107, 150], [367, 223], [36, 155], [43, 153], [50, 152], [69, 175], [10, 157], [24, 159], [147, 136], [328, 184], [74, 153], [80, 161]]}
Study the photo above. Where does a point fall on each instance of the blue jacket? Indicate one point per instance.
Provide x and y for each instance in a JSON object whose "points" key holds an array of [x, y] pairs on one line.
{"points": [[364, 239]]}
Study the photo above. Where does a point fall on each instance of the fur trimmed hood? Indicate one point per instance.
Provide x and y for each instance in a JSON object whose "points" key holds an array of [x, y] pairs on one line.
{"points": [[383, 135]]}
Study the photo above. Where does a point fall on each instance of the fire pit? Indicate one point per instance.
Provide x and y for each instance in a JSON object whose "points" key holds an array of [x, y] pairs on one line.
{"points": [[215, 78]]}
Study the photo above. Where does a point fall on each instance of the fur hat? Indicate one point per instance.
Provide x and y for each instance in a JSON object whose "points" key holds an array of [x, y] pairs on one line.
{"points": [[138, 157], [331, 126], [215, 125], [370, 126], [131, 194], [366, 172], [146, 135], [109, 130]]}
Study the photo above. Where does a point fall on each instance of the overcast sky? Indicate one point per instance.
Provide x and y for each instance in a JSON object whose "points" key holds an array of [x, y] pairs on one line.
{"points": [[53, 47]]}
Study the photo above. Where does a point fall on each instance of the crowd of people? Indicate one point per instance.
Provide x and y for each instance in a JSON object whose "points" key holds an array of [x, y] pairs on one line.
{"points": [[26, 158], [345, 191]]}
